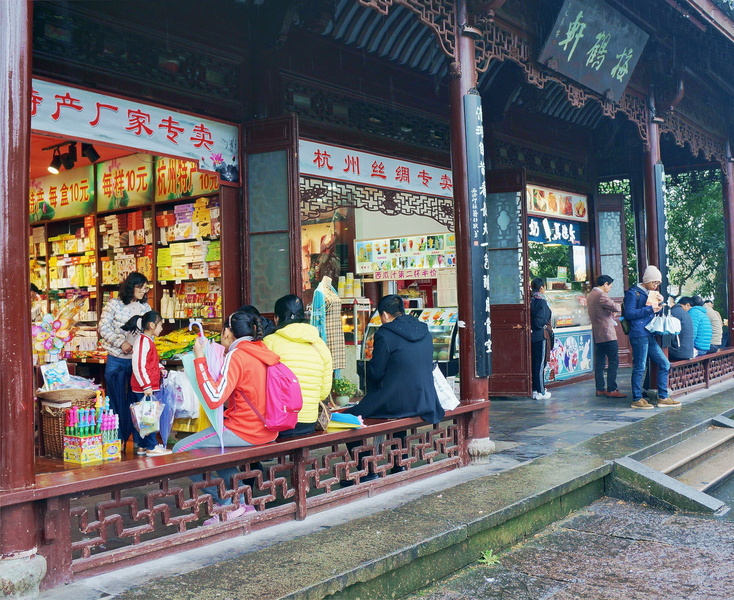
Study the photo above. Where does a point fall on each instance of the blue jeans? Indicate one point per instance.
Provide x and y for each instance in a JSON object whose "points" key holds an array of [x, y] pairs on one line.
{"points": [[117, 376], [643, 348]]}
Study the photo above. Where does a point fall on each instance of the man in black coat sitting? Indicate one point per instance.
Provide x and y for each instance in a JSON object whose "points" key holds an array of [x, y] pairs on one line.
{"points": [[399, 375]]}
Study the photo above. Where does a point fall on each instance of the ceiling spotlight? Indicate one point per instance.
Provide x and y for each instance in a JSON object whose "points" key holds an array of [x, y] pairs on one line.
{"points": [[68, 159], [91, 154], [55, 165]]}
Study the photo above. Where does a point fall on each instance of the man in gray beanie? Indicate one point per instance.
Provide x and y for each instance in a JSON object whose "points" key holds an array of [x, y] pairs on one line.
{"points": [[641, 302]]}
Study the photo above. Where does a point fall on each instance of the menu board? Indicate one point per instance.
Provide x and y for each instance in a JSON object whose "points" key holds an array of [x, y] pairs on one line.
{"points": [[430, 251], [555, 203]]}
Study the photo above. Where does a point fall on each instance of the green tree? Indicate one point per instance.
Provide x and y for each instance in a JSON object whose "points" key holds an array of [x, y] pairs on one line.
{"points": [[695, 228]]}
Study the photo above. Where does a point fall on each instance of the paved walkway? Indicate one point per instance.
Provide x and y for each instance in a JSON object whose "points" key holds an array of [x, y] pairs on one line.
{"points": [[611, 550], [523, 430]]}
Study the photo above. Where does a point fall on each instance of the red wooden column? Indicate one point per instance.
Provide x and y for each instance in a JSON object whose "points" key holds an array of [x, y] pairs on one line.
{"points": [[20, 568], [464, 78], [729, 237]]}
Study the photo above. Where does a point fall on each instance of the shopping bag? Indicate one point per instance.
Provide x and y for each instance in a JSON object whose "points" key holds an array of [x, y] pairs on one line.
{"points": [[664, 324], [146, 416], [168, 399], [446, 395]]}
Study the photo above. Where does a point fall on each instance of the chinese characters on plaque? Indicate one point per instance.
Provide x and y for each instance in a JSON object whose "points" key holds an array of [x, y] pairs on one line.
{"points": [[479, 234], [594, 44], [80, 114], [356, 166]]}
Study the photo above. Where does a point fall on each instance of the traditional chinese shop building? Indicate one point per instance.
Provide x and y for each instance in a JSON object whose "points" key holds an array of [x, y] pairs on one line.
{"points": [[448, 151]]}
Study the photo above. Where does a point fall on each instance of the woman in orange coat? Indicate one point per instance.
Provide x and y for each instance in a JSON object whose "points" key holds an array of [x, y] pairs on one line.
{"points": [[243, 374]]}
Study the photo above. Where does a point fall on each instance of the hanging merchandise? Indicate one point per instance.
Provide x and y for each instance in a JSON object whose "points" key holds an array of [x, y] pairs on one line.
{"points": [[334, 329]]}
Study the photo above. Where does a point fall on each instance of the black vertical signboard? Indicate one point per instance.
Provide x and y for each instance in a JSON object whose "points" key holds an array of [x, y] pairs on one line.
{"points": [[478, 233]]}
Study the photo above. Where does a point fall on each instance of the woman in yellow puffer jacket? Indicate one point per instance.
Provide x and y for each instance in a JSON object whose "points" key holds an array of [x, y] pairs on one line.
{"points": [[303, 351]]}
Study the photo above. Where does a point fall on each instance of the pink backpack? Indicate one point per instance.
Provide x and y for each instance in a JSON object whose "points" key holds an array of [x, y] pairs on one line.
{"points": [[283, 399]]}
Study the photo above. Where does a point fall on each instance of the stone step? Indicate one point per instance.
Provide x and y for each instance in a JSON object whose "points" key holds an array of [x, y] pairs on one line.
{"points": [[711, 472], [686, 455]]}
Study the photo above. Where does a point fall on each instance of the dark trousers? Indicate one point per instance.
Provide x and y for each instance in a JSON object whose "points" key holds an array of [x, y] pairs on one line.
{"points": [[603, 352], [538, 365]]}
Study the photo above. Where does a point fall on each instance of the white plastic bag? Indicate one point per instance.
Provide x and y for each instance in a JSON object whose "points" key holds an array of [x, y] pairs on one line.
{"points": [[187, 404], [664, 324], [146, 416], [446, 395]]}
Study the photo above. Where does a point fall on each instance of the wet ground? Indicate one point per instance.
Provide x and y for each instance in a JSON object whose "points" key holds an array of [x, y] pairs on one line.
{"points": [[611, 550]]}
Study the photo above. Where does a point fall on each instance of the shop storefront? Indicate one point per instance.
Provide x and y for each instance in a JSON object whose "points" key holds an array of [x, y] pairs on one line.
{"points": [[559, 252], [375, 225], [121, 194]]}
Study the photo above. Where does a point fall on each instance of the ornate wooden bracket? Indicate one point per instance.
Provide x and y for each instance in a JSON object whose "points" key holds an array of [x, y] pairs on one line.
{"points": [[497, 43]]}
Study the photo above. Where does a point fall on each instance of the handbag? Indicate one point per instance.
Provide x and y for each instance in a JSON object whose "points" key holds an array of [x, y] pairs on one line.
{"points": [[625, 325], [322, 421], [446, 396], [550, 339]]}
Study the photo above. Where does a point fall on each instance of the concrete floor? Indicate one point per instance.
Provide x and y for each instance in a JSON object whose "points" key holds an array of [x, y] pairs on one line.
{"points": [[522, 429], [611, 550]]}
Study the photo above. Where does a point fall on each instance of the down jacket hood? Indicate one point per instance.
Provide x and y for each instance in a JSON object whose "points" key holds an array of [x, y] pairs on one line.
{"points": [[259, 351], [408, 327], [299, 332]]}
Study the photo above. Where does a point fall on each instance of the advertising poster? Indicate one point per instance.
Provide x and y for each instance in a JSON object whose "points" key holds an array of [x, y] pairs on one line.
{"points": [[68, 194], [430, 251], [572, 355], [176, 178], [125, 182], [547, 202]]}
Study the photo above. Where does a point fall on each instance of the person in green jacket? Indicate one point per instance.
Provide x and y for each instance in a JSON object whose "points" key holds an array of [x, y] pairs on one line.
{"points": [[302, 350]]}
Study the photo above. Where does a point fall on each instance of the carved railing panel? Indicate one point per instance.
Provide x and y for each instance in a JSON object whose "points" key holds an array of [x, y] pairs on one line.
{"points": [[170, 508], [685, 377]]}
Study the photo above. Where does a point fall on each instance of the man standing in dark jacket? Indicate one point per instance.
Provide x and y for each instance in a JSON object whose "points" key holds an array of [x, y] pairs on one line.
{"points": [[400, 373], [681, 347], [641, 302]]}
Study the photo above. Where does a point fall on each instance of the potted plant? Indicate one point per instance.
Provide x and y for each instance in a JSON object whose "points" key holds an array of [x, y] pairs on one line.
{"points": [[343, 390]]}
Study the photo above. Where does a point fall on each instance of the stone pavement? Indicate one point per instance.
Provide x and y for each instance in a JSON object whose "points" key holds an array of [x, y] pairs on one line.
{"points": [[538, 453], [611, 550]]}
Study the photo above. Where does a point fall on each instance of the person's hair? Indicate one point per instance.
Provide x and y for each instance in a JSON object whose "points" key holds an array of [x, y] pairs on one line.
{"points": [[603, 279], [242, 323], [127, 287], [684, 300], [537, 283], [139, 323], [250, 310], [289, 309], [711, 302], [392, 305], [34, 289], [697, 301]]}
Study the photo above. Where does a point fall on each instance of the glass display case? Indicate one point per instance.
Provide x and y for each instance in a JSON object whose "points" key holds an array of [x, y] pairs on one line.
{"points": [[572, 353], [355, 316], [442, 325], [568, 307]]}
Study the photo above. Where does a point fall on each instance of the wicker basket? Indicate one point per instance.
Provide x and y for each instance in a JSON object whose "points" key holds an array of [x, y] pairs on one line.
{"points": [[78, 397], [52, 428]]}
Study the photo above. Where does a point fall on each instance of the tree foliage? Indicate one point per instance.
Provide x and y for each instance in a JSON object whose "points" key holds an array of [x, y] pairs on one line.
{"points": [[695, 230]]}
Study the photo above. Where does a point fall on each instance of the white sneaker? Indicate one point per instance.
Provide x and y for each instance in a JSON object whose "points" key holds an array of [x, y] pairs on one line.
{"points": [[535, 396], [159, 450], [545, 396]]}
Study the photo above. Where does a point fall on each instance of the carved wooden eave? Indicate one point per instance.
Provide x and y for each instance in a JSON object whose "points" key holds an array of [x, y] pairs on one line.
{"points": [[710, 13], [685, 131], [500, 42]]}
